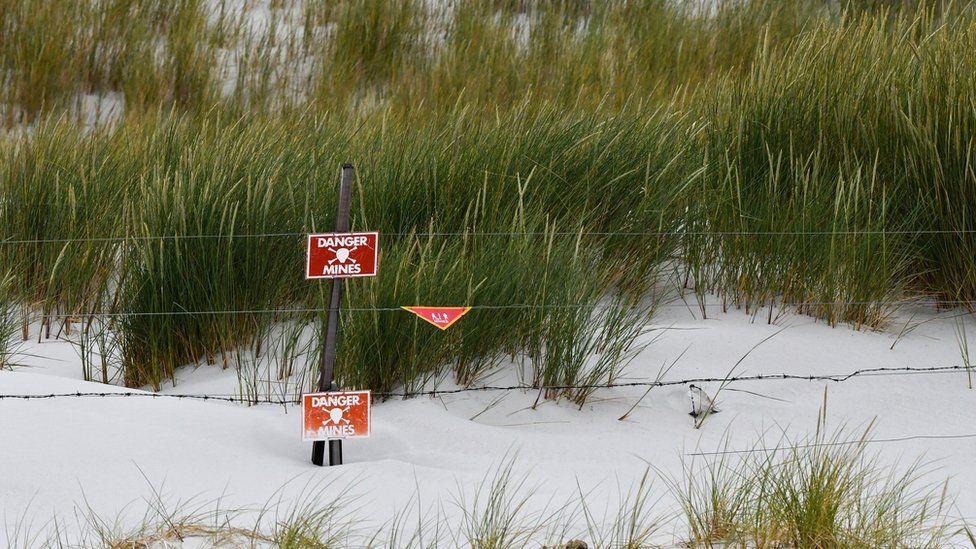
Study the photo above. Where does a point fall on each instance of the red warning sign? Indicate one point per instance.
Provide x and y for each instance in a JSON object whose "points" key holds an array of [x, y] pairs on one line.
{"points": [[337, 415], [342, 255], [442, 317]]}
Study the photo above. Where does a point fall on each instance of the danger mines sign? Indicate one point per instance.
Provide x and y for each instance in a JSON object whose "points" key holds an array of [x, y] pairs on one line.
{"points": [[342, 255], [328, 416]]}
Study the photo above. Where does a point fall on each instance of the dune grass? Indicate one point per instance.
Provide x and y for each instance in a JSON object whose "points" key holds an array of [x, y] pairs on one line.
{"points": [[825, 491], [156, 53], [809, 154], [849, 113], [210, 215], [9, 324]]}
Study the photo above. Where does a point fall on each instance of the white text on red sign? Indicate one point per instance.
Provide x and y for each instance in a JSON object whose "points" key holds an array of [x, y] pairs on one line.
{"points": [[335, 415], [342, 255]]}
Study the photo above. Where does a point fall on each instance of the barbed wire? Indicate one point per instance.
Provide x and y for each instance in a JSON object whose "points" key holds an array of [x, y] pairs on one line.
{"points": [[835, 378], [422, 234], [126, 394]]}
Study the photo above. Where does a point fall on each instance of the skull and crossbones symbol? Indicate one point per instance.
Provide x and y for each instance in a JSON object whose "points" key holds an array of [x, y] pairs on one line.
{"points": [[336, 416], [342, 255]]}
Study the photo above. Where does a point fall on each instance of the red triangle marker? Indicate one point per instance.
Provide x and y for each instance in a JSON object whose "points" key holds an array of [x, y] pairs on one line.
{"points": [[442, 317]]}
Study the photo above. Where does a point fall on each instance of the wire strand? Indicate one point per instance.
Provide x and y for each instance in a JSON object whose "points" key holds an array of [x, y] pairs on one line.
{"points": [[832, 443], [22, 241], [836, 378], [669, 305]]}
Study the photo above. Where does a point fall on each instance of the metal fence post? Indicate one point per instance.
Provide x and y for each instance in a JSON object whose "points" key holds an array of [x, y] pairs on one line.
{"points": [[327, 363]]}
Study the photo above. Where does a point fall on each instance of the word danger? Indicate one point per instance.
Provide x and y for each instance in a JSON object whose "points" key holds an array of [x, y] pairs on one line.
{"points": [[336, 399], [335, 415], [342, 255]]}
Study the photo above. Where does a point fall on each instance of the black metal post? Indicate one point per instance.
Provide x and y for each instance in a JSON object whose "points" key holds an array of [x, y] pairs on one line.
{"points": [[327, 364]]}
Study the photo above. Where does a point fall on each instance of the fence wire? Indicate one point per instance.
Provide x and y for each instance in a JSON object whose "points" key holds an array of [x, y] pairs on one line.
{"points": [[773, 449], [430, 234], [669, 305], [836, 378]]}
